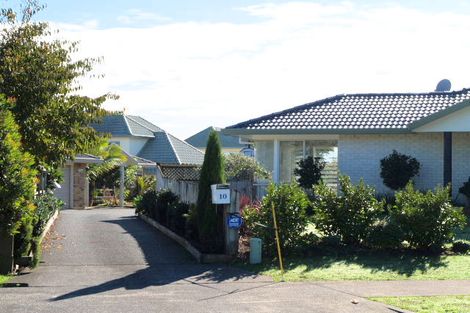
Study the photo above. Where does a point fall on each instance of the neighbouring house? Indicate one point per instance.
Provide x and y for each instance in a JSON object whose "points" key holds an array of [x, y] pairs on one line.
{"points": [[229, 144], [146, 142], [353, 132], [138, 137], [74, 189]]}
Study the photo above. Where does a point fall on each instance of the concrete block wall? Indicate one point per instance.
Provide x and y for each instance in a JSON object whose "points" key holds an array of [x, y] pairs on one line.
{"points": [[359, 157]]}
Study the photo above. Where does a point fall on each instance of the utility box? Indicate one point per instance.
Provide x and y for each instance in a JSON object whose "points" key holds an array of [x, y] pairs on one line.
{"points": [[220, 194], [255, 250]]}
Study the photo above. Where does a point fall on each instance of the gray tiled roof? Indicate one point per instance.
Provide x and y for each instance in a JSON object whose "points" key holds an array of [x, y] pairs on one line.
{"points": [[123, 125], [115, 125], [167, 149], [138, 129], [199, 140], [187, 154], [143, 122], [161, 147], [356, 112]]}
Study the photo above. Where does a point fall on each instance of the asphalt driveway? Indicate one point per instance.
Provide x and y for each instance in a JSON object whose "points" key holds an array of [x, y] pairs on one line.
{"points": [[107, 260]]}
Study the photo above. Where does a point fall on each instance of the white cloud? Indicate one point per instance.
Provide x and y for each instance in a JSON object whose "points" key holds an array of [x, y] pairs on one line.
{"points": [[185, 76], [138, 16]]}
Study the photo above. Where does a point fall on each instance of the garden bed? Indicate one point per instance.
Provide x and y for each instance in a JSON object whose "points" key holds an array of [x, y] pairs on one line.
{"points": [[199, 256]]}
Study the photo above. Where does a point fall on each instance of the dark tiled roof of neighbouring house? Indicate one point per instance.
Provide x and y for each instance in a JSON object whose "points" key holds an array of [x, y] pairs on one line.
{"points": [[161, 147], [144, 123], [116, 125], [123, 125], [358, 112], [188, 173], [199, 140], [167, 149], [187, 154]]}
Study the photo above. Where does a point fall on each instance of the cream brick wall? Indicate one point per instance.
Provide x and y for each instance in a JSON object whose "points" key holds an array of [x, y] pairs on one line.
{"points": [[359, 157], [461, 162]]}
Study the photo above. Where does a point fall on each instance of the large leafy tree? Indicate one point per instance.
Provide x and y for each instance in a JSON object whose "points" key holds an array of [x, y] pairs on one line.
{"points": [[212, 172], [39, 73]]}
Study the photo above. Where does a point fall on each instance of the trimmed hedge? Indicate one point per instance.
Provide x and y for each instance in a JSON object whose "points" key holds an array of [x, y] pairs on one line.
{"points": [[164, 207]]}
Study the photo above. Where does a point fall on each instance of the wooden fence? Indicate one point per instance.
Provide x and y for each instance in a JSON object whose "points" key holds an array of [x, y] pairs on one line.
{"points": [[188, 190]]}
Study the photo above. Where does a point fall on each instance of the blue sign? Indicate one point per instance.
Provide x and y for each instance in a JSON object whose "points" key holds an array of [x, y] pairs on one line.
{"points": [[234, 221]]}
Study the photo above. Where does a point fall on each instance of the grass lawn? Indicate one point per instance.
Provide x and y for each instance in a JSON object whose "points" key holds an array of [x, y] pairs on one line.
{"points": [[435, 304], [4, 279], [369, 266]]}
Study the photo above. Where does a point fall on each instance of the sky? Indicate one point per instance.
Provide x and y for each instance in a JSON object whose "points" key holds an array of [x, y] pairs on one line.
{"points": [[186, 65]]}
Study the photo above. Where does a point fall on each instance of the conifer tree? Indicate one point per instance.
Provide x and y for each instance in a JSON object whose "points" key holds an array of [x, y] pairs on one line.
{"points": [[212, 172]]}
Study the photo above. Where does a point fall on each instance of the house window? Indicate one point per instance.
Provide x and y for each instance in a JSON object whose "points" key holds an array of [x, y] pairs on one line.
{"points": [[265, 154], [328, 151], [291, 153]]}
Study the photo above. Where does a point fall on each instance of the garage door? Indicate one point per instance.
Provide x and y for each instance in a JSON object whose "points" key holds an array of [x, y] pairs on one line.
{"points": [[63, 193]]}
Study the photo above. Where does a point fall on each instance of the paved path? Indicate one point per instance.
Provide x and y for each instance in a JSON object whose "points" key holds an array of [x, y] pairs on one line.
{"points": [[107, 260]]}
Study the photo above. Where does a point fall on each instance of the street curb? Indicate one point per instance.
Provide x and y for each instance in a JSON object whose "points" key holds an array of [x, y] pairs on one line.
{"points": [[200, 257], [48, 225]]}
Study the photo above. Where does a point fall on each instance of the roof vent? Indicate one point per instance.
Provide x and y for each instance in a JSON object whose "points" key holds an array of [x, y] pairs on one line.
{"points": [[443, 86]]}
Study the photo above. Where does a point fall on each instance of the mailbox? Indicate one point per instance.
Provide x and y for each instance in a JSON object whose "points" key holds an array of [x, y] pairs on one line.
{"points": [[220, 194]]}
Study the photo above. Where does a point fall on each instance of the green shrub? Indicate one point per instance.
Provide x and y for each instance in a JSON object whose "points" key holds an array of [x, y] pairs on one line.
{"points": [[17, 179], [350, 214], [427, 220], [465, 189], [309, 171], [290, 203], [212, 172], [146, 203], [191, 231], [385, 234], [46, 205], [398, 169], [24, 238], [166, 199], [140, 185], [27, 239], [177, 216], [461, 247], [240, 167]]}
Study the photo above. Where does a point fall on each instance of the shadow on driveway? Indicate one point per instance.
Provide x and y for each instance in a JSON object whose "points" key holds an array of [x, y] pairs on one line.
{"points": [[167, 263]]}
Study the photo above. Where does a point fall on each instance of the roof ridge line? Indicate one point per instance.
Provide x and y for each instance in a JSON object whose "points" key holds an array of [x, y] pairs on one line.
{"points": [[409, 93], [184, 142], [128, 127], [173, 147], [130, 117]]}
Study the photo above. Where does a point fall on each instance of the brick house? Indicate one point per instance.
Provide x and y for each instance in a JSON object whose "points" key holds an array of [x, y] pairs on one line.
{"points": [[354, 132], [74, 189]]}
